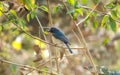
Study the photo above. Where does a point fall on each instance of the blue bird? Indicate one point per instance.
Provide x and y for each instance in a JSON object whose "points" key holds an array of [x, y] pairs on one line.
{"points": [[58, 34]]}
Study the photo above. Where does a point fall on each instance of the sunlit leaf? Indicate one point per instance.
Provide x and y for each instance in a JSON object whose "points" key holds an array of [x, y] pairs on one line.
{"points": [[84, 1], [79, 10], [104, 20], [46, 32], [29, 4], [28, 17], [13, 12], [75, 15], [112, 24], [44, 8], [1, 13], [71, 2], [105, 41], [95, 24], [114, 14], [1, 6]]}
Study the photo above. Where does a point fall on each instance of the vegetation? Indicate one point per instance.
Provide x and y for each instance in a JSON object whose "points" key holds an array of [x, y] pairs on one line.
{"points": [[92, 27]]}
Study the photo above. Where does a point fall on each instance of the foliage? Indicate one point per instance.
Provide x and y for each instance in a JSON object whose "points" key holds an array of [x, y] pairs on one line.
{"points": [[24, 34]]}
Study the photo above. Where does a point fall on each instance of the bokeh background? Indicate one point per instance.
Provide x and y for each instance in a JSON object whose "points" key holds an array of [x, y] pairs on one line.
{"points": [[18, 49]]}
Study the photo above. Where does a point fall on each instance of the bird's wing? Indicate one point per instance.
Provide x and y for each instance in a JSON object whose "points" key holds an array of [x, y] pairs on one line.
{"points": [[61, 37]]}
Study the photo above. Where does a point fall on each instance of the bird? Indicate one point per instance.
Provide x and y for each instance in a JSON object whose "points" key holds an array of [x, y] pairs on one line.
{"points": [[58, 34]]}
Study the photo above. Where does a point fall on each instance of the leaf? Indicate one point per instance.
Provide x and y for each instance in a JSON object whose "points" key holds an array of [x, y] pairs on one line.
{"points": [[44, 8], [22, 23], [114, 14], [29, 4], [112, 24], [57, 8], [95, 23], [84, 1], [105, 41], [10, 17], [33, 14], [14, 68], [104, 20], [1, 27], [15, 21], [71, 2], [28, 17], [79, 11], [110, 6], [46, 32], [1, 13], [13, 12], [75, 15]]}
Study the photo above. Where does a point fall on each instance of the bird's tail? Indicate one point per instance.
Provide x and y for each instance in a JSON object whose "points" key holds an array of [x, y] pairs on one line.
{"points": [[68, 48]]}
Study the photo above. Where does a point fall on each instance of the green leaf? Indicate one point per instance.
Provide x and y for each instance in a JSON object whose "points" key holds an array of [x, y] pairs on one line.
{"points": [[1, 28], [10, 16], [114, 14], [15, 21], [112, 24], [28, 17], [75, 15], [14, 68], [84, 1], [29, 4], [79, 10], [22, 23], [71, 2], [104, 20], [13, 12], [44, 8], [110, 6], [95, 23], [57, 8], [1, 13], [105, 41], [33, 14]]}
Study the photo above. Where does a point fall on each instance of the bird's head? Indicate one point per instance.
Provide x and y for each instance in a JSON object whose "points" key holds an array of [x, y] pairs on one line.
{"points": [[53, 29]]}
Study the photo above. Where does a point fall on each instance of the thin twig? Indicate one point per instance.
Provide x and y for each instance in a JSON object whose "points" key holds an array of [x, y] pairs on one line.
{"points": [[99, 12], [87, 15], [25, 66]]}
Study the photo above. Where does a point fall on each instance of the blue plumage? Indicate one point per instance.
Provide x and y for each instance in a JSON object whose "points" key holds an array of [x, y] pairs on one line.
{"points": [[60, 35]]}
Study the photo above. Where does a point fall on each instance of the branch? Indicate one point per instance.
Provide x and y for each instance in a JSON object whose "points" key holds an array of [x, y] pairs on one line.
{"points": [[87, 15], [102, 13], [25, 66]]}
